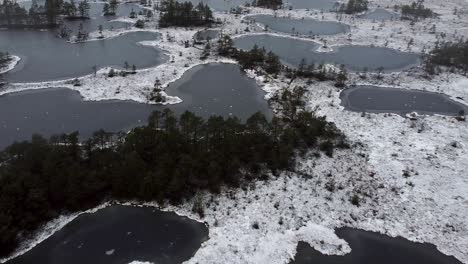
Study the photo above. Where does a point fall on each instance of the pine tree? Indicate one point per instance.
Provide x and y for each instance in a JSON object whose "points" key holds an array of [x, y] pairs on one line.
{"points": [[113, 6], [83, 8]]}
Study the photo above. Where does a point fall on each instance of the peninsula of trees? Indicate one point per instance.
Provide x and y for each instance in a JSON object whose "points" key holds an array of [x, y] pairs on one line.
{"points": [[254, 58], [168, 160], [259, 59], [173, 13]]}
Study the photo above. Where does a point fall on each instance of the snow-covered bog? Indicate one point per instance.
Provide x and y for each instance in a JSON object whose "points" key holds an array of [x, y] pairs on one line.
{"points": [[411, 175]]}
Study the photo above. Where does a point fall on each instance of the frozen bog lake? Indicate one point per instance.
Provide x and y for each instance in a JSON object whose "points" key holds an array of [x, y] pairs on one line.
{"points": [[369, 247], [45, 57], [325, 5], [356, 58], [380, 14], [119, 235], [400, 101], [304, 26], [220, 89], [96, 16]]}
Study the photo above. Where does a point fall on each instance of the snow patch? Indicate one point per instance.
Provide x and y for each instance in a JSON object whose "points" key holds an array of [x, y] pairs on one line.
{"points": [[10, 65]]}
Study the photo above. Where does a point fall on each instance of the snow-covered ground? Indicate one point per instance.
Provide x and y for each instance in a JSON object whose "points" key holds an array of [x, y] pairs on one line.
{"points": [[10, 65], [411, 175]]}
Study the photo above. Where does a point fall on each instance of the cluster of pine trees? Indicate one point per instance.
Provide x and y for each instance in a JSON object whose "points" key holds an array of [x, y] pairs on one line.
{"points": [[168, 160], [110, 9], [318, 72], [416, 11], [251, 59], [259, 58], [73, 11], [4, 58], [353, 6], [272, 4], [184, 14], [13, 15], [450, 54]]}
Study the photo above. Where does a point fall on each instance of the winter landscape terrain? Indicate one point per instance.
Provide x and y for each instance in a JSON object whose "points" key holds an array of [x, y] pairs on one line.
{"points": [[404, 175]]}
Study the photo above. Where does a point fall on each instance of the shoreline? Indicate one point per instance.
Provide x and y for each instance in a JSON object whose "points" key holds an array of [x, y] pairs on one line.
{"points": [[14, 60]]}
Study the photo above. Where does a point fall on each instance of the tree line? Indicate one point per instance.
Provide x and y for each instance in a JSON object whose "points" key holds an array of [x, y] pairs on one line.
{"points": [[168, 160], [4, 58], [13, 15], [173, 13], [272, 4], [250, 59], [110, 9], [453, 55], [351, 7], [416, 11], [73, 11]]}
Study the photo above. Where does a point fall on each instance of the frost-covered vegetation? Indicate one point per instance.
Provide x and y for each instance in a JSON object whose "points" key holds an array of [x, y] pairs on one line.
{"points": [[416, 10], [251, 59], [450, 54], [267, 62], [408, 176], [73, 11], [110, 9], [170, 159], [4, 59], [356, 6], [273, 4]]}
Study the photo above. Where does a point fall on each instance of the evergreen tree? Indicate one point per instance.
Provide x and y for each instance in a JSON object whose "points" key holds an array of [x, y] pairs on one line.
{"points": [[184, 14], [83, 8], [106, 9], [113, 6], [53, 9], [69, 9], [273, 4]]}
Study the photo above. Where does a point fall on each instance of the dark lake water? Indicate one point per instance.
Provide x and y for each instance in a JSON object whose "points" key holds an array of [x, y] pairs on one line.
{"points": [[226, 5], [400, 101], [207, 89], [97, 18], [207, 33], [219, 89], [310, 4], [356, 58], [372, 248], [380, 15], [45, 57], [118, 235], [304, 26]]}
